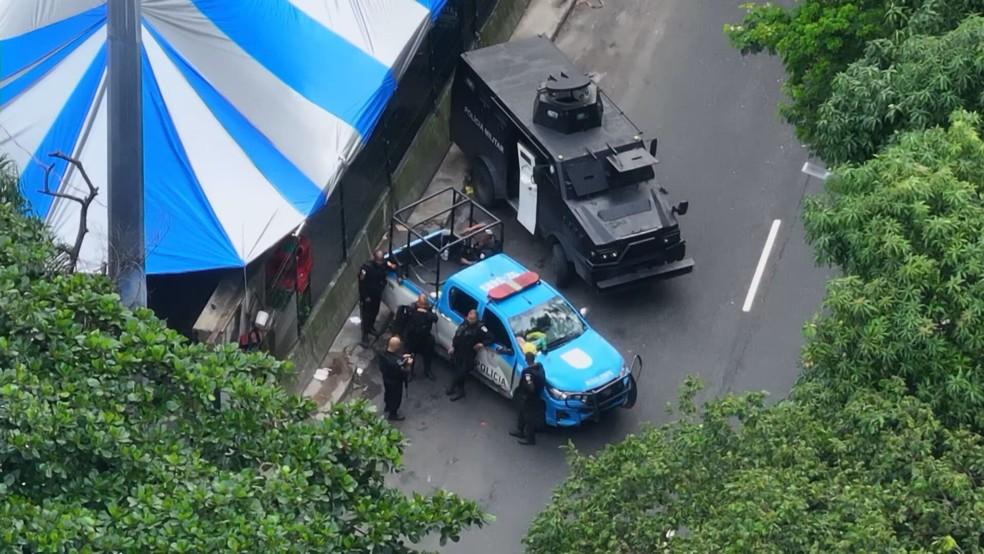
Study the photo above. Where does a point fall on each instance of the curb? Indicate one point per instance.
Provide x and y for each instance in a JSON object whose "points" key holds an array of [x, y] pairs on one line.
{"points": [[345, 358], [563, 19], [343, 388], [345, 354]]}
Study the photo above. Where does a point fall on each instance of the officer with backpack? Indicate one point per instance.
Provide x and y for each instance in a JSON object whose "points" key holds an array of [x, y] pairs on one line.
{"points": [[415, 322]]}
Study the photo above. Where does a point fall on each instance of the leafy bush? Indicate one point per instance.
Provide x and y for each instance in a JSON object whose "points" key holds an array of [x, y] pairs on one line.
{"points": [[818, 39], [9, 192], [907, 228], [878, 473], [909, 86], [116, 434]]}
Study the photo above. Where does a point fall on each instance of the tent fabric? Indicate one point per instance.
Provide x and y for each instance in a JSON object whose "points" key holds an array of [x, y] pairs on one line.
{"points": [[251, 111]]}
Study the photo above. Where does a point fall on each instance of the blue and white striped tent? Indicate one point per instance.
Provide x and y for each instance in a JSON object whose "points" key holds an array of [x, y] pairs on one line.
{"points": [[251, 110]]}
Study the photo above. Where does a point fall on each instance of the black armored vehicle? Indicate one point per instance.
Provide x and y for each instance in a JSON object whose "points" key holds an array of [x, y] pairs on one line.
{"points": [[543, 138]]}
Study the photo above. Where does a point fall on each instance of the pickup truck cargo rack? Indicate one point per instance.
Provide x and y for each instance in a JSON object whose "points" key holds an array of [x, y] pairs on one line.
{"points": [[434, 235]]}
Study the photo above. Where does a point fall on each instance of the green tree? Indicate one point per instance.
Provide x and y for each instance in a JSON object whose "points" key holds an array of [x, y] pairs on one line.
{"points": [[912, 85], [9, 193], [878, 448], [907, 230], [117, 434], [877, 473], [818, 39]]}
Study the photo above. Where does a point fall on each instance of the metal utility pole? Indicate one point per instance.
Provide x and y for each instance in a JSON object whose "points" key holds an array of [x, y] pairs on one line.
{"points": [[126, 199]]}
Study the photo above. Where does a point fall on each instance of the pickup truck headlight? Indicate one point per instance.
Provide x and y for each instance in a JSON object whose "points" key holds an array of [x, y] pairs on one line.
{"points": [[604, 255], [563, 395], [625, 372]]}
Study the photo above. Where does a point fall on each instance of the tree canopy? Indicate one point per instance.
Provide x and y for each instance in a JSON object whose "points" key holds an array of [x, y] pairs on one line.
{"points": [[903, 86], [907, 229], [117, 434], [877, 473], [879, 445], [818, 39]]}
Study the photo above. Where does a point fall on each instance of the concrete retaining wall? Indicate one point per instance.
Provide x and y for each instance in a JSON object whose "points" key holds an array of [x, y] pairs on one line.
{"points": [[410, 179]]}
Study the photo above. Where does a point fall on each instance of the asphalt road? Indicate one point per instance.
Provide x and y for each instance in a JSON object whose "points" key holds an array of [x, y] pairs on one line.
{"points": [[723, 148]]}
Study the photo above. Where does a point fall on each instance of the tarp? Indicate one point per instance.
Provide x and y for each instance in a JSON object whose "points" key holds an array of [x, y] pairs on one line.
{"points": [[251, 111]]}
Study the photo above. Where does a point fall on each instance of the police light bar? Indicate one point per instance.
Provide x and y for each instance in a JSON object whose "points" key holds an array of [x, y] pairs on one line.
{"points": [[514, 285]]}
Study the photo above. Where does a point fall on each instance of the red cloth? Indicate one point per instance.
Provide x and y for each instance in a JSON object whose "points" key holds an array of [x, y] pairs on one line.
{"points": [[296, 278]]}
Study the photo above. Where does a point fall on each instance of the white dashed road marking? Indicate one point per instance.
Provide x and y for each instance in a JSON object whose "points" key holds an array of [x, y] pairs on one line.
{"points": [[760, 269]]}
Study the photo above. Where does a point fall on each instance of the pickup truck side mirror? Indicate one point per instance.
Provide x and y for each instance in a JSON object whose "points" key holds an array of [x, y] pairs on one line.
{"points": [[653, 146], [681, 208]]}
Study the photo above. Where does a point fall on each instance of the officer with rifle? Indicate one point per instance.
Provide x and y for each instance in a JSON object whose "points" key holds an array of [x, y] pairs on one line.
{"points": [[395, 369]]}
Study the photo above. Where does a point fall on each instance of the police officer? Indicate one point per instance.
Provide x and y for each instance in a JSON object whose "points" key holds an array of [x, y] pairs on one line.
{"points": [[372, 281], [531, 383], [395, 368], [484, 246], [417, 333], [469, 339]]}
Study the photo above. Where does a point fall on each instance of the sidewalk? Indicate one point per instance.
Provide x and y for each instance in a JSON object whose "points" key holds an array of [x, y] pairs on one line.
{"points": [[544, 17], [349, 366], [346, 362]]}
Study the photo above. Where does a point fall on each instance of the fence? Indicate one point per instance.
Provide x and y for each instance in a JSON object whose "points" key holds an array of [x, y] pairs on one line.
{"points": [[333, 229]]}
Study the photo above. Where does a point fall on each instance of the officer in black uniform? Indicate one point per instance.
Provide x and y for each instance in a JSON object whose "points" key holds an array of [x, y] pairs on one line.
{"points": [[471, 336], [531, 383], [417, 333], [372, 281], [395, 368]]}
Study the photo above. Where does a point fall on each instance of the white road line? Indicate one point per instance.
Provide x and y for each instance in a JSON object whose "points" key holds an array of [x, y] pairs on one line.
{"points": [[760, 269]]}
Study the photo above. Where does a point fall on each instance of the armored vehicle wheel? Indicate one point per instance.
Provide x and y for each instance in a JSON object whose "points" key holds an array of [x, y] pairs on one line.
{"points": [[562, 269], [482, 183]]}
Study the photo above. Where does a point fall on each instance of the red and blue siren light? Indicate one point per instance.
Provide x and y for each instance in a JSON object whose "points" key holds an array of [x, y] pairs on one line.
{"points": [[512, 286]]}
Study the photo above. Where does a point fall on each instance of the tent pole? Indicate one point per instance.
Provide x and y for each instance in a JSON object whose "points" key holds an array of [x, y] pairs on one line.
{"points": [[125, 152]]}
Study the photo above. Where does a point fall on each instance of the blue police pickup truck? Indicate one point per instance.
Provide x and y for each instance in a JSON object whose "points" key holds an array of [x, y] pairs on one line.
{"points": [[586, 376]]}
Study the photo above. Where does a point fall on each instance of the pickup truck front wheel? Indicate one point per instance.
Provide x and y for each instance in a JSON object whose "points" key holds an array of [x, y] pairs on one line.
{"points": [[630, 399], [562, 269]]}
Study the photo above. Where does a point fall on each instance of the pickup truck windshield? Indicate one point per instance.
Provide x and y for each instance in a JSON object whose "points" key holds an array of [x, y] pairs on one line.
{"points": [[549, 325]]}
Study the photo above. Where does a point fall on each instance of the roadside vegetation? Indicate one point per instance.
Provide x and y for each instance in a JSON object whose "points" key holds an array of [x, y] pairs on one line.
{"points": [[858, 70], [879, 447], [119, 435]]}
